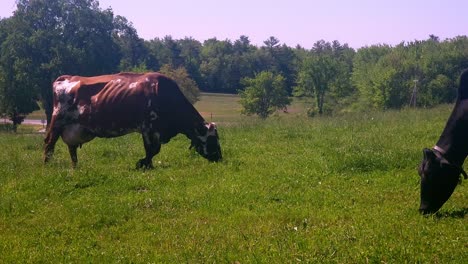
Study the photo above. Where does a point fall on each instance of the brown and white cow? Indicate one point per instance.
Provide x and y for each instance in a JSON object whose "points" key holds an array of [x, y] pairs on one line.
{"points": [[442, 165], [114, 105]]}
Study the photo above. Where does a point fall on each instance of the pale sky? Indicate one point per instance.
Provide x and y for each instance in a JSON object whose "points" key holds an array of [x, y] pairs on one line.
{"points": [[358, 23]]}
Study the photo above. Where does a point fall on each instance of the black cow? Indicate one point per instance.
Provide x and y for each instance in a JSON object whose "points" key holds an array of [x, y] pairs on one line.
{"points": [[441, 166], [114, 105]]}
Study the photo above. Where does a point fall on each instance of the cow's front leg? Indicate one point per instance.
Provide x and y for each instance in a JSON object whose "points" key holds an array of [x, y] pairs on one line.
{"points": [[152, 147], [74, 158]]}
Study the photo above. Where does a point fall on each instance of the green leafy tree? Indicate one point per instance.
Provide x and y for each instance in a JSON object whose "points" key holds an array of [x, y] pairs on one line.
{"points": [[190, 52], [324, 74], [217, 66], [242, 62], [17, 97], [50, 38], [166, 51], [279, 59], [367, 76], [316, 76], [439, 90], [132, 49], [187, 86], [264, 94], [141, 68], [385, 76]]}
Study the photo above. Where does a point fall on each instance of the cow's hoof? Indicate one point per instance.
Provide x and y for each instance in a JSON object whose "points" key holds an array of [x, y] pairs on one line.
{"points": [[143, 164]]}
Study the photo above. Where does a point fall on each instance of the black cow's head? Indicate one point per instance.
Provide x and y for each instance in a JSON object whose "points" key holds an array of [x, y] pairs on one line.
{"points": [[206, 142], [438, 180]]}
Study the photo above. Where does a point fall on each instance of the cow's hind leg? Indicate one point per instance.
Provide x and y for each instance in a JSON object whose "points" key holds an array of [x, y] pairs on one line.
{"points": [[152, 147], [74, 157], [50, 140]]}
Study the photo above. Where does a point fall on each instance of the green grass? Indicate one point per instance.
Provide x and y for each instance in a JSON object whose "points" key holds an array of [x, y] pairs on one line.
{"points": [[290, 189]]}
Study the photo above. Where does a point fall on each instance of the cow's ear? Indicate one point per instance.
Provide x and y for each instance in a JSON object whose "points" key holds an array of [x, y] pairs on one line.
{"points": [[428, 154], [211, 127]]}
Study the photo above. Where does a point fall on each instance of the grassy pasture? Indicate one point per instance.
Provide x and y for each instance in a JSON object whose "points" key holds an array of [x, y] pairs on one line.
{"points": [[290, 190]]}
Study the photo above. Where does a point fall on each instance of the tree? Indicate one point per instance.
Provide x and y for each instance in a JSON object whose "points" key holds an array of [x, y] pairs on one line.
{"points": [[316, 76], [190, 52], [50, 38], [132, 49], [365, 75], [17, 98], [280, 59], [166, 51], [187, 86], [217, 66], [264, 94], [439, 90], [324, 74], [385, 76]]}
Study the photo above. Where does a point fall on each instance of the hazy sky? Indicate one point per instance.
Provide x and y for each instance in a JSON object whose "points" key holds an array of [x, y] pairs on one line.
{"points": [[358, 23]]}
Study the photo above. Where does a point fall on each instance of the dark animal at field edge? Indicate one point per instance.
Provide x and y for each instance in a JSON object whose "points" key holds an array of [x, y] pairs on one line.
{"points": [[114, 105], [442, 165]]}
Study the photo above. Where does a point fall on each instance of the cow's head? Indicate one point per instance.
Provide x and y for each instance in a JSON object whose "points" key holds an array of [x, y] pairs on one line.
{"points": [[206, 142], [438, 180]]}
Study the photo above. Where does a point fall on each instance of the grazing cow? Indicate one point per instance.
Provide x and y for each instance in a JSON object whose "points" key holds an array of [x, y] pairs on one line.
{"points": [[114, 105], [441, 166]]}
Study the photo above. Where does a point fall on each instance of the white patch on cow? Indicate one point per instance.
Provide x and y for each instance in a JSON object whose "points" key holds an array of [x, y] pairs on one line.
{"points": [[82, 109], [204, 138], [153, 115], [147, 79], [64, 86], [153, 84], [213, 132], [133, 85], [62, 110], [118, 80], [62, 95]]}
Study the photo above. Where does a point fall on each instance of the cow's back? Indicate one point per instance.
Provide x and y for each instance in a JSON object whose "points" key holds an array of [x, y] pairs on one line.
{"points": [[118, 107], [109, 105]]}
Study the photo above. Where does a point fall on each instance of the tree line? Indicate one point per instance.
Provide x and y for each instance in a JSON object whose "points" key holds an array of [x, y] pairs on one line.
{"points": [[48, 38]]}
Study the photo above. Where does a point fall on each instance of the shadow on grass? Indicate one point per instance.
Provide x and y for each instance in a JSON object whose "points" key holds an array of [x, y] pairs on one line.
{"points": [[458, 213]]}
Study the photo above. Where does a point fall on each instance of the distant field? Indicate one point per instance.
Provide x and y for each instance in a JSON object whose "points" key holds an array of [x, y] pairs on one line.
{"points": [[219, 106], [226, 107], [290, 190], [39, 115]]}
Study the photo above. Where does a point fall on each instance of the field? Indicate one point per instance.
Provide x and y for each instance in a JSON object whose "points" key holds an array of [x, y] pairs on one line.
{"points": [[290, 189]]}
